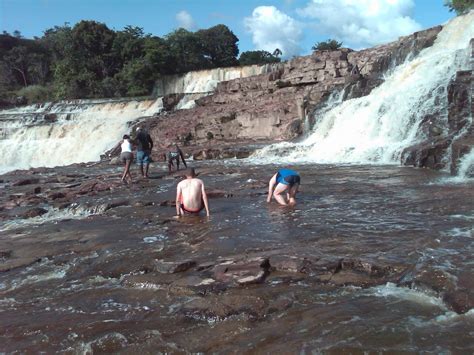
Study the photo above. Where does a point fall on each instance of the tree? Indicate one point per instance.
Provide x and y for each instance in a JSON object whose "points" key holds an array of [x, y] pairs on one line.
{"points": [[17, 60], [257, 57], [219, 46], [330, 44], [459, 6], [277, 52], [187, 51]]}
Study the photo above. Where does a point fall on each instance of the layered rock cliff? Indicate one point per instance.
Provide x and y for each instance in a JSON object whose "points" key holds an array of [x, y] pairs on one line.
{"points": [[279, 105]]}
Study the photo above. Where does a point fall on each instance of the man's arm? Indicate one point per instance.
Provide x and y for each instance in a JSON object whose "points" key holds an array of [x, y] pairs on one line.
{"points": [[151, 142], [178, 199], [182, 157], [204, 198], [271, 185]]}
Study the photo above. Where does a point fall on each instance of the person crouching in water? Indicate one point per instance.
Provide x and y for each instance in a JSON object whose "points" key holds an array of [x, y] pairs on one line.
{"points": [[285, 180], [191, 195], [126, 156], [175, 154]]}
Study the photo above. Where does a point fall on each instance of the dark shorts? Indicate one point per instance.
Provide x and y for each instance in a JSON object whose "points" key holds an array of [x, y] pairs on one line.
{"points": [[292, 180], [126, 156], [143, 157]]}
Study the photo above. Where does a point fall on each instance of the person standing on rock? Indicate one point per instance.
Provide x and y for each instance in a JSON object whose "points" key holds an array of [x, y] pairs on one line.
{"points": [[145, 145], [191, 197], [285, 180], [175, 154], [126, 156]]}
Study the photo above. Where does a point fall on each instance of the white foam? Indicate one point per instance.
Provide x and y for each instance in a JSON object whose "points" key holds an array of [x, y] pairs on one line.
{"points": [[406, 294], [55, 215]]}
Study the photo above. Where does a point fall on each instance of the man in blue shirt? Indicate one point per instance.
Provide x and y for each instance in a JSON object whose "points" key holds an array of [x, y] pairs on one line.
{"points": [[285, 180]]}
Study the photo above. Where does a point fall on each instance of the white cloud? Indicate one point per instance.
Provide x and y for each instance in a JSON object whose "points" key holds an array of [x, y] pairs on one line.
{"points": [[185, 20], [271, 29], [362, 23]]}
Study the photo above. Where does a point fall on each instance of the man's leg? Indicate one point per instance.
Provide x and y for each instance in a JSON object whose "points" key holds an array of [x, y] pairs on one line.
{"points": [[292, 194], [279, 189], [146, 169]]}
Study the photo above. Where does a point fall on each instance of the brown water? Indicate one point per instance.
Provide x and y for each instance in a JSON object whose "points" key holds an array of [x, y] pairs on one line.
{"points": [[372, 258]]}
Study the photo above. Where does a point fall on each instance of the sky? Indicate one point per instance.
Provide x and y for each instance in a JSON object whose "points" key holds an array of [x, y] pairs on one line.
{"points": [[293, 26]]}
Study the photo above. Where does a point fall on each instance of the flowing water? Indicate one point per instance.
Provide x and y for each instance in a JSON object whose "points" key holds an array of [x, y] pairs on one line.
{"points": [[97, 284]]}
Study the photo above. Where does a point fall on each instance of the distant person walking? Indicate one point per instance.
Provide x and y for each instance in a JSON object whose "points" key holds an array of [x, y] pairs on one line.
{"points": [[126, 156], [175, 154], [191, 195], [285, 180], [144, 147]]}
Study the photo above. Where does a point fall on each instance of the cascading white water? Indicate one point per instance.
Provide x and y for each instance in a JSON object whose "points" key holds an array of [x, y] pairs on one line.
{"points": [[197, 84], [83, 130], [466, 165], [205, 81], [376, 128]]}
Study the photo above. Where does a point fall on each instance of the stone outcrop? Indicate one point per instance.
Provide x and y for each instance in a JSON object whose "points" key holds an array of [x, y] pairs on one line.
{"points": [[277, 105]]}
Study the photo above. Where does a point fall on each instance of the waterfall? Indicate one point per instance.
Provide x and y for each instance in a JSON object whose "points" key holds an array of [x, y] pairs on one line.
{"points": [[376, 128], [67, 132], [197, 84], [80, 132], [466, 165], [205, 81]]}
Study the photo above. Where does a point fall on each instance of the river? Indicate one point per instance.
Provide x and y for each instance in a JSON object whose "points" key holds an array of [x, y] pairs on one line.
{"points": [[372, 258]]}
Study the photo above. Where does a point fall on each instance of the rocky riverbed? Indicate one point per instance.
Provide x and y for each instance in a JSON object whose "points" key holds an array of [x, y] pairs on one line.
{"points": [[374, 258]]}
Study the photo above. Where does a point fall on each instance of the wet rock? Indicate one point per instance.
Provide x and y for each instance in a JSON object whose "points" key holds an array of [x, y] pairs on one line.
{"points": [[192, 285], [168, 203], [56, 195], [33, 212], [50, 117], [143, 203], [218, 194], [173, 267], [5, 254], [244, 271], [118, 203], [37, 190], [432, 280], [24, 182], [109, 343], [89, 187], [460, 301], [219, 307], [288, 263], [115, 161]]}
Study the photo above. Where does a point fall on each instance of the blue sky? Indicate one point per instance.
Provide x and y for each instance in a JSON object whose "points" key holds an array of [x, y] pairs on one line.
{"points": [[291, 25]]}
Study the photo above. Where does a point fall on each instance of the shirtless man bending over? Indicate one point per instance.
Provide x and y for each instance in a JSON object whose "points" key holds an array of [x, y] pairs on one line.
{"points": [[191, 196]]}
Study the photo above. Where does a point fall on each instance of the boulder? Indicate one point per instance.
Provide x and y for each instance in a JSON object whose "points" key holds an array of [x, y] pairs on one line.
{"points": [[33, 212]]}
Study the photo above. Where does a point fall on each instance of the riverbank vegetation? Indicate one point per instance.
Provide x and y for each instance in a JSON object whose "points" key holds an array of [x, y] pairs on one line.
{"points": [[90, 60]]}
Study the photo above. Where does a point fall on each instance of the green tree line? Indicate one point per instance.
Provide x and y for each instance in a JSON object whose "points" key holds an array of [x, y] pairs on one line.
{"points": [[90, 60]]}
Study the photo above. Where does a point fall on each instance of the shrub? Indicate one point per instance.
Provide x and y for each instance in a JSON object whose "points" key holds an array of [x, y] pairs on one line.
{"points": [[330, 44], [36, 93]]}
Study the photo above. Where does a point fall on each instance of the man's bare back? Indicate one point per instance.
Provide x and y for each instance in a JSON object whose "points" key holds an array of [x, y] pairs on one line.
{"points": [[191, 195]]}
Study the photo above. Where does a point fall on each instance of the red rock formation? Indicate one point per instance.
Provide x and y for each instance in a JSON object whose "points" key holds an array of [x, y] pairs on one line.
{"points": [[274, 106]]}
